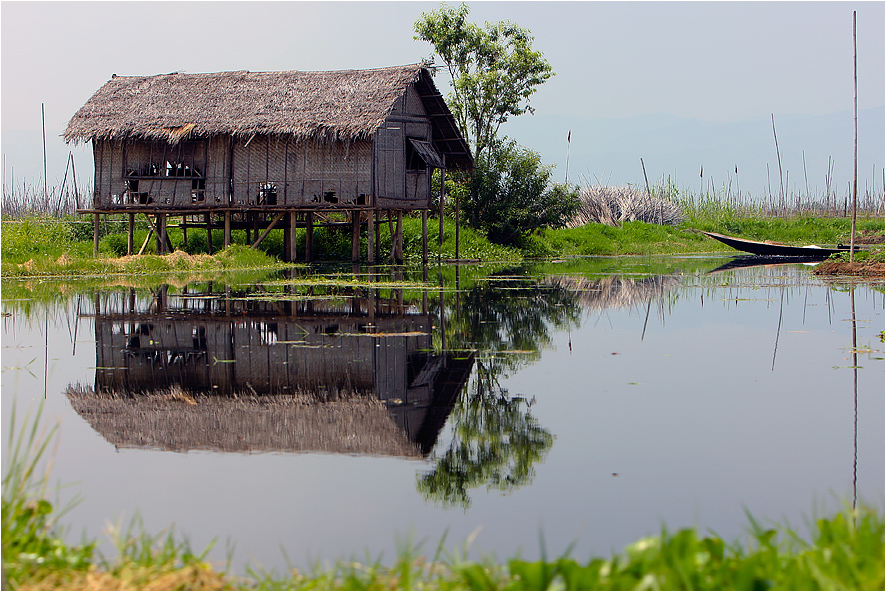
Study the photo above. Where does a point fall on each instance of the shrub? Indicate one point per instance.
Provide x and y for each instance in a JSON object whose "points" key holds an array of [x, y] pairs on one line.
{"points": [[613, 205], [511, 194]]}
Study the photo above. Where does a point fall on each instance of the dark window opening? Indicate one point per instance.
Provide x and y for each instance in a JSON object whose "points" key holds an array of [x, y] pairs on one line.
{"points": [[198, 190], [361, 199], [180, 169], [267, 195], [329, 197], [198, 335], [131, 194], [157, 159], [414, 161]]}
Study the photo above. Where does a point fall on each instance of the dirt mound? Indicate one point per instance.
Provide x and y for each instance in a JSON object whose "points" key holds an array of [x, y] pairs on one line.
{"points": [[865, 269], [870, 237]]}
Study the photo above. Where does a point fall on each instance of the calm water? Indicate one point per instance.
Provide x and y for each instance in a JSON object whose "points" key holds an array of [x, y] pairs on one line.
{"points": [[587, 401]]}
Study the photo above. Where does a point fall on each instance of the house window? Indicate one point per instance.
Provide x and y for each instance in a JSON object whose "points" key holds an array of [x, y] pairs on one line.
{"points": [[151, 160], [198, 190], [421, 154], [414, 161]]}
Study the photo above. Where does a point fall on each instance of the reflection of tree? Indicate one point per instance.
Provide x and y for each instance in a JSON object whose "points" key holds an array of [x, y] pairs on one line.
{"points": [[496, 441], [508, 320]]}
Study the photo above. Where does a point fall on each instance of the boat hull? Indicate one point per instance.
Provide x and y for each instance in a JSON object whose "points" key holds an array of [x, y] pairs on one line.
{"points": [[771, 250]]}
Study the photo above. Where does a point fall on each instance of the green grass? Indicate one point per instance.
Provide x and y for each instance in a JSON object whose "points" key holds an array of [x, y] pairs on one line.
{"points": [[43, 246], [845, 550]]}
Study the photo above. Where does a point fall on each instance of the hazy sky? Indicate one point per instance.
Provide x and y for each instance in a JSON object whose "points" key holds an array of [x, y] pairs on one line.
{"points": [[713, 61]]}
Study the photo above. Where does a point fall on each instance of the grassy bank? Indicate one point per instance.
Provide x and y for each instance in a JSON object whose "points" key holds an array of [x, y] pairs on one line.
{"points": [[49, 246], [844, 551]]}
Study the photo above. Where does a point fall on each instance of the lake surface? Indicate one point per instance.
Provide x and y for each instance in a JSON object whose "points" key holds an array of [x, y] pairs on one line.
{"points": [[335, 412]]}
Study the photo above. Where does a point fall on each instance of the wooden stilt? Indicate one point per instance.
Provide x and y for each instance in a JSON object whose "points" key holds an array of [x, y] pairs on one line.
{"points": [[424, 237], [130, 239], [208, 218], [377, 236], [442, 194], [287, 238], [95, 224], [393, 234], [293, 236], [457, 222], [227, 229], [370, 236], [147, 240], [164, 235], [355, 236], [160, 234], [399, 253], [309, 237], [267, 231], [184, 231]]}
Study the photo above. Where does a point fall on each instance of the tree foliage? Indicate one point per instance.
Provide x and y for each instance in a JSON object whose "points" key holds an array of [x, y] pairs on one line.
{"points": [[494, 70], [511, 194]]}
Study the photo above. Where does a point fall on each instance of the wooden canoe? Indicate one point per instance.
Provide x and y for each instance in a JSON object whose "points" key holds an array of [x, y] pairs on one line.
{"points": [[772, 250]]}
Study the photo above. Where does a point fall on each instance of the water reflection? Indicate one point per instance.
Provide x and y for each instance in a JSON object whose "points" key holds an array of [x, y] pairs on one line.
{"points": [[496, 443], [281, 365], [227, 371]]}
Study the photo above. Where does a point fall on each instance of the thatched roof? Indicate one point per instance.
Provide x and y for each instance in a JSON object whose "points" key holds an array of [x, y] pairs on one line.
{"points": [[343, 105], [617, 291], [174, 420]]}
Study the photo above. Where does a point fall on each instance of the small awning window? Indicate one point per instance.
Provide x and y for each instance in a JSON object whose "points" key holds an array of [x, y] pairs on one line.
{"points": [[427, 152]]}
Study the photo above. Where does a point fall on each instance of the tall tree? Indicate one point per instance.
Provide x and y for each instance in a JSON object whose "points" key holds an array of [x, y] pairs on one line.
{"points": [[494, 70]]}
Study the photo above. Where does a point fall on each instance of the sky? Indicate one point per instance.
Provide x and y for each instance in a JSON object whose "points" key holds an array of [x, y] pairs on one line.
{"points": [[718, 63]]}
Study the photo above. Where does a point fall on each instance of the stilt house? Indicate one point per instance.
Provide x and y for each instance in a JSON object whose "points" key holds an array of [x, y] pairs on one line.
{"points": [[372, 358], [258, 150]]}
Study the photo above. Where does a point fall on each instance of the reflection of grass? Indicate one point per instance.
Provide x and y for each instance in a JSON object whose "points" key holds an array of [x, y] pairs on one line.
{"points": [[844, 551]]}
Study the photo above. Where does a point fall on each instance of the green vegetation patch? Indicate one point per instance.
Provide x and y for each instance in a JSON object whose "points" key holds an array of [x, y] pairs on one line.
{"points": [[844, 551]]}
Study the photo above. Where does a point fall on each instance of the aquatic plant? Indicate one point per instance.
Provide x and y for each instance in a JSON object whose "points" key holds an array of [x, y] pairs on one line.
{"points": [[32, 541], [613, 205]]}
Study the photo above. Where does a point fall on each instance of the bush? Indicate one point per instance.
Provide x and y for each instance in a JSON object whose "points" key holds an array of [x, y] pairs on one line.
{"points": [[511, 194]]}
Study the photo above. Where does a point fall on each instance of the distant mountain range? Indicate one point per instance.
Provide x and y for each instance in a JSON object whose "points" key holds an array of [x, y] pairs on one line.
{"points": [[609, 151]]}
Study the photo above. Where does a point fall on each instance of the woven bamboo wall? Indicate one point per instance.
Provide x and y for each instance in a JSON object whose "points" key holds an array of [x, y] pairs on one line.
{"points": [[270, 170], [187, 174], [262, 356]]}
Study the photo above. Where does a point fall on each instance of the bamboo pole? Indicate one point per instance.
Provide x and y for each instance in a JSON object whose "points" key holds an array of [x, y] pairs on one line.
{"points": [[442, 194], [293, 223], [370, 236], [355, 235], [778, 156], [161, 234], [95, 224], [147, 240], [393, 238], [45, 191], [130, 239], [855, 143], [267, 230], [309, 237], [399, 253], [424, 238], [287, 239]]}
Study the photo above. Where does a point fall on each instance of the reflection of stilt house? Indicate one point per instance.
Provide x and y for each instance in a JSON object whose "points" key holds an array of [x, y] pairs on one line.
{"points": [[276, 352], [263, 150]]}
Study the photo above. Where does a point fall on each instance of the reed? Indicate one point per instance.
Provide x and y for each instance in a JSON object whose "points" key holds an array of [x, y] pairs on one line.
{"points": [[23, 199]]}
